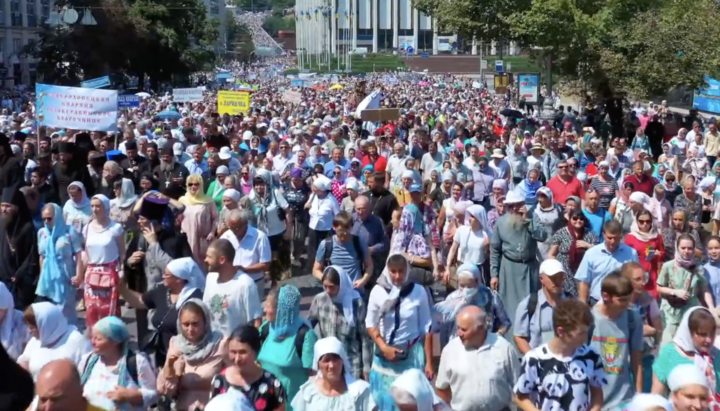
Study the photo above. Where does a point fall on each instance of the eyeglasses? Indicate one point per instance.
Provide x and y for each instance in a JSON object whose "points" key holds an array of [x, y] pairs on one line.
{"points": [[572, 165], [193, 184], [245, 174], [577, 218], [643, 222]]}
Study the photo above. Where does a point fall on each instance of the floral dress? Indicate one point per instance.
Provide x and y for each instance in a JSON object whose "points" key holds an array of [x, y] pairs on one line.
{"points": [[693, 209], [563, 240], [102, 380], [267, 393], [677, 277]]}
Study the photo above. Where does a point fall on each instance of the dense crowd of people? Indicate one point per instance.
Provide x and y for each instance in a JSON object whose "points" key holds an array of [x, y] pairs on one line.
{"points": [[556, 266]]}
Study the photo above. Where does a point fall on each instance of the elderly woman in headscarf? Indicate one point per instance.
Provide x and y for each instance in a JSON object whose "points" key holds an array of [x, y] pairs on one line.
{"points": [[470, 291], [333, 388], [14, 332], [660, 202], [691, 389], [52, 338], [352, 188], [195, 355], [471, 242], [545, 212], [692, 344], [397, 303], [232, 400], [694, 164], [706, 190], [432, 184], [182, 280], [230, 200], [340, 312], [286, 331], [217, 187], [275, 219], [529, 186], [411, 391], [60, 248], [691, 202], [499, 189], [322, 208], [113, 376], [199, 218], [121, 207], [672, 188], [367, 171], [76, 211]]}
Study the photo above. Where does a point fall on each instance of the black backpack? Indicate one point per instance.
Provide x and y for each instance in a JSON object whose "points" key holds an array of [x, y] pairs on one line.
{"points": [[299, 337], [356, 246], [130, 363]]}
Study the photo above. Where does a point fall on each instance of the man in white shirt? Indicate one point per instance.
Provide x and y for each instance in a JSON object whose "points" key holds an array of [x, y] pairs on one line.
{"points": [[230, 294], [252, 248], [475, 348]]}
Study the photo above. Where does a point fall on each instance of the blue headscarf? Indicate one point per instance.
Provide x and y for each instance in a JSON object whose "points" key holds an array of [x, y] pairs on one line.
{"points": [[529, 190], [54, 278], [362, 174], [113, 329], [287, 318]]}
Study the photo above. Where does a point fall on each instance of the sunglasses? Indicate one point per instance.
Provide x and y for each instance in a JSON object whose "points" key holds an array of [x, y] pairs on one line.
{"points": [[193, 184], [643, 222], [577, 218]]}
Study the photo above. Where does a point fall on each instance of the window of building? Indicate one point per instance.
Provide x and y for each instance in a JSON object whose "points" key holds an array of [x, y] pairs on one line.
{"points": [[44, 10], [17, 45], [214, 7], [31, 16], [15, 13]]}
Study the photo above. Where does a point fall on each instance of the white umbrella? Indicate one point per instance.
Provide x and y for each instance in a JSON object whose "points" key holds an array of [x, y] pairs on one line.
{"points": [[143, 94]]}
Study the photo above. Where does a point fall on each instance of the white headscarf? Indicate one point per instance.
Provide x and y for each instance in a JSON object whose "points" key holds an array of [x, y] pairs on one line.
{"points": [[7, 302], [188, 270], [51, 323], [331, 345], [345, 295], [232, 400], [644, 402], [352, 183], [705, 183], [686, 374], [232, 194], [415, 383], [480, 214], [322, 183], [127, 194]]}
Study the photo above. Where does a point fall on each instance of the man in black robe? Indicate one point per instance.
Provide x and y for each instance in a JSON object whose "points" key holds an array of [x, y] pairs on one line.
{"points": [[11, 171], [68, 170], [19, 260], [171, 174], [133, 164]]}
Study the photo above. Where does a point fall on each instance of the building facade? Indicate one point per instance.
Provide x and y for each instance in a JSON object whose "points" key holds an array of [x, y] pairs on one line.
{"points": [[20, 22]]}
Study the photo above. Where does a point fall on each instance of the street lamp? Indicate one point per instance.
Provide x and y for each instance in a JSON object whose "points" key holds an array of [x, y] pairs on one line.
{"points": [[548, 108]]}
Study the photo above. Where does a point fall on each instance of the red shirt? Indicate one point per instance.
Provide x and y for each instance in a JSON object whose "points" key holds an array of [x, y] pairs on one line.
{"points": [[645, 185], [591, 170], [561, 190], [379, 165], [650, 266]]}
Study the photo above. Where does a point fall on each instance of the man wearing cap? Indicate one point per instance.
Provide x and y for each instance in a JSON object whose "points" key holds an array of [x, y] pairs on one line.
{"points": [[533, 319], [499, 165], [513, 253], [171, 174], [70, 169]]}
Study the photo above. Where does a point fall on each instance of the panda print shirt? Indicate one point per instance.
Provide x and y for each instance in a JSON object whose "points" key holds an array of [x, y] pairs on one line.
{"points": [[560, 384]]}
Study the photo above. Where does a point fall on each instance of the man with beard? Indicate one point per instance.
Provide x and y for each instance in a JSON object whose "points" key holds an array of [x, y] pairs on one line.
{"points": [[382, 202], [67, 170], [152, 248], [151, 155], [19, 260], [133, 164], [513, 250], [11, 171], [171, 174], [95, 168]]}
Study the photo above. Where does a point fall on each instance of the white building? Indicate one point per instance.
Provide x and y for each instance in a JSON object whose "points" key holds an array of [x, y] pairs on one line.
{"points": [[216, 11], [20, 22], [378, 25]]}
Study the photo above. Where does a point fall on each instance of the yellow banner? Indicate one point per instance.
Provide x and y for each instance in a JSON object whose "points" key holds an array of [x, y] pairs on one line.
{"points": [[233, 102]]}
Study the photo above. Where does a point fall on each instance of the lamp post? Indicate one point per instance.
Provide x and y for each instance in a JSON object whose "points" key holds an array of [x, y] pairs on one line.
{"points": [[548, 108]]}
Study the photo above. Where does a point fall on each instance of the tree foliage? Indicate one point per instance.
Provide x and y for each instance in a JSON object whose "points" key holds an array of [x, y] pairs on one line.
{"points": [[274, 24], [155, 38], [239, 41]]}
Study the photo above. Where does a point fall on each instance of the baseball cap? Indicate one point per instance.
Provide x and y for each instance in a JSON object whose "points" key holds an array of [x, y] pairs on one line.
{"points": [[551, 267], [415, 188], [178, 149]]}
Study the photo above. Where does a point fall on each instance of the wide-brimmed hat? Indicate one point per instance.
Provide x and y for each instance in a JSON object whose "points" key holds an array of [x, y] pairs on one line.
{"points": [[537, 147]]}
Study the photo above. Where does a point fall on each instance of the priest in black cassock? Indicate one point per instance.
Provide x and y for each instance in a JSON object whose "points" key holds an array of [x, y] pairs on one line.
{"points": [[11, 171], [70, 169], [171, 174], [19, 260]]}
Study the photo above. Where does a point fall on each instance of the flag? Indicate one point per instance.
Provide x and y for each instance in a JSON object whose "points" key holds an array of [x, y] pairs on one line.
{"points": [[316, 14], [337, 15]]}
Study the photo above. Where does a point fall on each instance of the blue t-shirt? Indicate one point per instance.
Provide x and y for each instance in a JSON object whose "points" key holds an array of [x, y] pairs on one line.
{"points": [[597, 219], [345, 256]]}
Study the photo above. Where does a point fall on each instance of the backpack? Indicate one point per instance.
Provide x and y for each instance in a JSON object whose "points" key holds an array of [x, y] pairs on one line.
{"points": [[299, 337], [631, 326], [130, 363], [356, 246]]}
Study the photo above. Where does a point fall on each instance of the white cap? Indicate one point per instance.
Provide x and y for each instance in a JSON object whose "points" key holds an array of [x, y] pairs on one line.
{"points": [[551, 267], [514, 198], [178, 149], [686, 374], [247, 135], [498, 153], [224, 153]]}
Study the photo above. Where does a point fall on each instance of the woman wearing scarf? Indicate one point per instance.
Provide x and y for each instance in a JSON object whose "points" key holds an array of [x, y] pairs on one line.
{"points": [[247, 175], [14, 333], [679, 283], [706, 190], [412, 389], [649, 402], [659, 202], [52, 338], [278, 354], [121, 208], [605, 185], [195, 355], [620, 206], [233, 400], [217, 187], [545, 212], [275, 219], [337, 184], [230, 200], [499, 189], [672, 188], [471, 242], [19, 266], [398, 321], [333, 388], [352, 188], [677, 226], [569, 244], [340, 313], [199, 218], [694, 164], [641, 142], [106, 377], [691, 345], [647, 241], [678, 146], [432, 184], [691, 202], [367, 171], [529, 186], [470, 291], [297, 192], [60, 248]]}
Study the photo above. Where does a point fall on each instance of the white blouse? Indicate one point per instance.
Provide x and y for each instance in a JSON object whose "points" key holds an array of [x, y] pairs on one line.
{"points": [[322, 212], [102, 246], [104, 379], [415, 319], [71, 346]]}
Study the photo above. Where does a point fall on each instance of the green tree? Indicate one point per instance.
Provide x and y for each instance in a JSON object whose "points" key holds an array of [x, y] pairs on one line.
{"points": [[239, 41], [275, 24]]}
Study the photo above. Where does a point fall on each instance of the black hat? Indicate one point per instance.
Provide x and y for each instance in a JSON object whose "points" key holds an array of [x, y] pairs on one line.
{"points": [[167, 150], [152, 144], [20, 136], [217, 141], [153, 208], [131, 145], [45, 156], [98, 159], [66, 147]]}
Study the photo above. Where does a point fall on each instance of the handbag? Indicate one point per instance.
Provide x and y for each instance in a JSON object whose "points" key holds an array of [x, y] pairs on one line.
{"points": [[152, 342], [101, 276], [677, 302]]}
